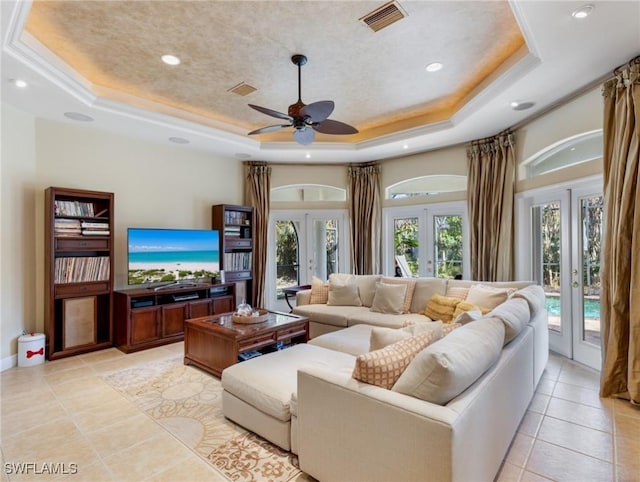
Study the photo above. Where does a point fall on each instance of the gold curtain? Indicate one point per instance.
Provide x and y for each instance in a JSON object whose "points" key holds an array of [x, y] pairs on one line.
{"points": [[490, 188], [620, 297], [365, 213], [258, 195]]}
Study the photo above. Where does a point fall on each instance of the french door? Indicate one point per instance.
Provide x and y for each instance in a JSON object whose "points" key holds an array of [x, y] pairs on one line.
{"points": [[563, 231], [303, 244], [433, 240]]}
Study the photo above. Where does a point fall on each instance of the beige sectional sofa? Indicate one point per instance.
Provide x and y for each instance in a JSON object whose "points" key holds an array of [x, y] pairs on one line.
{"points": [[454, 422]]}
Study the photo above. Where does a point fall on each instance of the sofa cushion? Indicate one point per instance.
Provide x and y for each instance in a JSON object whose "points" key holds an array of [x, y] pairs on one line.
{"points": [[515, 315], [330, 315], [367, 287], [441, 308], [410, 284], [319, 291], [353, 340], [369, 317], [343, 291], [389, 298], [267, 382], [425, 288], [534, 295], [383, 367], [446, 368], [488, 296]]}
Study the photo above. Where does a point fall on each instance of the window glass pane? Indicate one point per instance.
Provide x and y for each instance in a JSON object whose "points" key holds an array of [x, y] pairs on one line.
{"points": [[546, 257], [591, 213], [405, 242], [574, 151], [426, 185], [325, 247], [447, 230], [287, 256]]}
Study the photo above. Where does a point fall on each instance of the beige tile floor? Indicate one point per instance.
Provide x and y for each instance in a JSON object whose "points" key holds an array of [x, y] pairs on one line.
{"points": [[63, 411]]}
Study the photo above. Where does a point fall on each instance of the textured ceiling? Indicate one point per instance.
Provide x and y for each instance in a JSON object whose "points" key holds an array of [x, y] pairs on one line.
{"points": [[377, 80]]}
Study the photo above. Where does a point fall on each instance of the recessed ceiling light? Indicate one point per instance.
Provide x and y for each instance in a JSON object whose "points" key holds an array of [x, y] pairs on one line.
{"points": [[170, 59], [434, 67], [19, 83], [77, 116], [308, 156], [406, 146], [582, 12], [179, 140], [517, 105]]}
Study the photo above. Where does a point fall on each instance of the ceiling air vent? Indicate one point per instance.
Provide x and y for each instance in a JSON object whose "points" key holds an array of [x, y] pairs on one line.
{"points": [[242, 89], [384, 16]]}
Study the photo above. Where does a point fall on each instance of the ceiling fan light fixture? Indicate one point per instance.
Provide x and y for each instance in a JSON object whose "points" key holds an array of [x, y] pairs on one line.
{"points": [[434, 67], [305, 119]]}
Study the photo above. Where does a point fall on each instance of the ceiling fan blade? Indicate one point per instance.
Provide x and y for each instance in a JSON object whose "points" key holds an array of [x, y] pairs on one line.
{"points": [[318, 111], [335, 127], [304, 136], [271, 112], [264, 130]]}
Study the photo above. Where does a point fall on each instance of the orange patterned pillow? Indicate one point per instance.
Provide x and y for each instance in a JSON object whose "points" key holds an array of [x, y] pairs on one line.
{"points": [[411, 286], [441, 308], [383, 367], [319, 291]]}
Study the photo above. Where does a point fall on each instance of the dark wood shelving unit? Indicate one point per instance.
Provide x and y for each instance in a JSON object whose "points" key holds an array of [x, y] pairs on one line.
{"points": [[78, 271], [235, 224]]}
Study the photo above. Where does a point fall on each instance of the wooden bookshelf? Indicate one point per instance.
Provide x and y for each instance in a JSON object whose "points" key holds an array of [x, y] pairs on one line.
{"points": [[235, 224], [78, 271]]}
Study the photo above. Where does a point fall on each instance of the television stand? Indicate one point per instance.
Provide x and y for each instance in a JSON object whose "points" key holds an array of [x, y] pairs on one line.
{"points": [[147, 318], [174, 285]]}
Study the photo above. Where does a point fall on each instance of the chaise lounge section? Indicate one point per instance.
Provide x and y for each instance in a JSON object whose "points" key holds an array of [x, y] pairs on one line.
{"points": [[305, 399]]}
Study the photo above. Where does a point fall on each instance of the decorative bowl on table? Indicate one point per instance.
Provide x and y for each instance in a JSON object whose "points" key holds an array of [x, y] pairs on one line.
{"points": [[254, 316]]}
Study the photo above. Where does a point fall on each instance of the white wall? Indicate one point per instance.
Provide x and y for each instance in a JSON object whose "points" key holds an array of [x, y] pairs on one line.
{"points": [[155, 185], [17, 268]]}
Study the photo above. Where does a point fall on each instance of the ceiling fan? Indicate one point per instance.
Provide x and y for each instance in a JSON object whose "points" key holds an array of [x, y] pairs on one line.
{"points": [[305, 119]]}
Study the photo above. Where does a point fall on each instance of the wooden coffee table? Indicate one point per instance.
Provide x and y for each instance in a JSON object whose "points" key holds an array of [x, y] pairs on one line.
{"points": [[214, 342]]}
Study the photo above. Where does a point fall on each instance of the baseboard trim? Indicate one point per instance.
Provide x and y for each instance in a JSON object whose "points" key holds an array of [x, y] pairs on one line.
{"points": [[8, 362]]}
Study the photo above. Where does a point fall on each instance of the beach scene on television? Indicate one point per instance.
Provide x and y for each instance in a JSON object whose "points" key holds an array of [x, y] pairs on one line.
{"points": [[170, 255]]}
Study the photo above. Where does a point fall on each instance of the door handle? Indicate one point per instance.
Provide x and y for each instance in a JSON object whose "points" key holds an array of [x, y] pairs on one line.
{"points": [[575, 284]]}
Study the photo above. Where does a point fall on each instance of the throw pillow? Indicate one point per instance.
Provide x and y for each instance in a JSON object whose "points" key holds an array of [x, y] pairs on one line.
{"points": [[389, 298], [343, 291], [381, 337], [319, 291], [410, 284], [441, 308], [467, 317], [466, 306], [383, 367], [445, 369], [457, 292], [488, 296]]}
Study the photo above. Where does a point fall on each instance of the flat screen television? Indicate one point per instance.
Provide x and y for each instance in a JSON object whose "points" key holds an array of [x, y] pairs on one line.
{"points": [[173, 256]]}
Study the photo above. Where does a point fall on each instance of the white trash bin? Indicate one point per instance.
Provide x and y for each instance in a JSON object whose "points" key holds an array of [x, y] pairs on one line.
{"points": [[31, 350]]}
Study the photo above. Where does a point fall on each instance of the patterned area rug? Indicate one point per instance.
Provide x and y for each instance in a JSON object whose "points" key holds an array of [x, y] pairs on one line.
{"points": [[188, 403]]}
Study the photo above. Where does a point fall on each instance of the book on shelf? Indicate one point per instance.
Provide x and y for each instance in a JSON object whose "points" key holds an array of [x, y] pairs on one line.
{"points": [[81, 269], [72, 208], [95, 232], [235, 217], [237, 261], [94, 225]]}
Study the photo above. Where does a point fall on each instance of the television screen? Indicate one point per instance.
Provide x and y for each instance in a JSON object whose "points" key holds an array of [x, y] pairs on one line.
{"points": [[172, 255]]}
